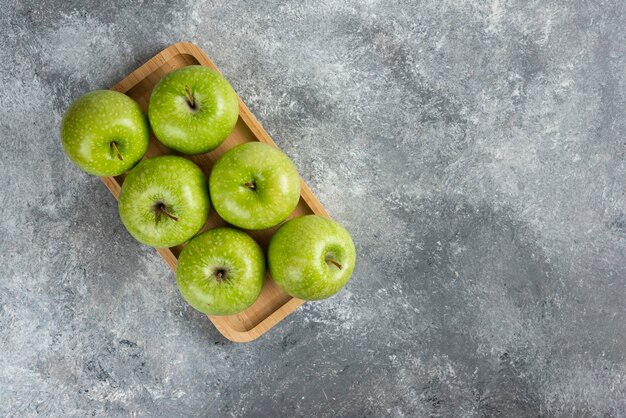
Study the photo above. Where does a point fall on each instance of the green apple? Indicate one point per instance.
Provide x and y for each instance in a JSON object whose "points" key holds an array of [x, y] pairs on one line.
{"points": [[104, 133], [254, 186], [311, 257], [221, 271], [164, 201], [193, 109]]}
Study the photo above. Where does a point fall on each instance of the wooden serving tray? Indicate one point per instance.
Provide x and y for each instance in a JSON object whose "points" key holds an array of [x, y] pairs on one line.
{"points": [[273, 305]]}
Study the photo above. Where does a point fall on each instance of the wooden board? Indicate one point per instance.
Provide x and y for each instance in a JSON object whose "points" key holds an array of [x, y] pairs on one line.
{"points": [[273, 305]]}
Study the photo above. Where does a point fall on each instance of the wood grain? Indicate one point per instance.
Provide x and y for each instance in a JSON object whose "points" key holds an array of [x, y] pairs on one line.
{"points": [[273, 305]]}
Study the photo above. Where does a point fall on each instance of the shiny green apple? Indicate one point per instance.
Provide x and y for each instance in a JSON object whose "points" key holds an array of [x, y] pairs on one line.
{"points": [[311, 257], [193, 109], [254, 186], [221, 271], [104, 133], [164, 201]]}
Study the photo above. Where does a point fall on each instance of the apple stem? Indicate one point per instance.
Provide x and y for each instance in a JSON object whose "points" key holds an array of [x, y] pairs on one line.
{"points": [[339, 266], [161, 210], [117, 151], [190, 99], [250, 185]]}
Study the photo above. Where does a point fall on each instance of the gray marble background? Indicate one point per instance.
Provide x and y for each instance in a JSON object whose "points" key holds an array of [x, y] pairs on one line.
{"points": [[475, 150]]}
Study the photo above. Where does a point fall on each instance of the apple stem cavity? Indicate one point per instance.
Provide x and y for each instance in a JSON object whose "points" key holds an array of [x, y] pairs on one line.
{"points": [[250, 185], [117, 151], [220, 274], [160, 209], [190, 100], [335, 263]]}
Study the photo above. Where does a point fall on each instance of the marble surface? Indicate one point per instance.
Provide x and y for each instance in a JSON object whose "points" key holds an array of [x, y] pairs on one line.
{"points": [[475, 150]]}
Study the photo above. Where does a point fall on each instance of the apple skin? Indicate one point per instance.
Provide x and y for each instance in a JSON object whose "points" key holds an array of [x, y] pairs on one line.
{"points": [[300, 254], [158, 189], [221, 271], [94, 122], [197, 128], [254, 186]]}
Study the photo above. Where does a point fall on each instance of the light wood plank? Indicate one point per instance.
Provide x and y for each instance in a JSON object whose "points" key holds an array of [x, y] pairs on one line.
{"points": [[273, 305]]}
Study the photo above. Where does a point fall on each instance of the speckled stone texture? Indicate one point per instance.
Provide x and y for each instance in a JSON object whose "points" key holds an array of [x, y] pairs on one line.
{"points": [[475, 150]]}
